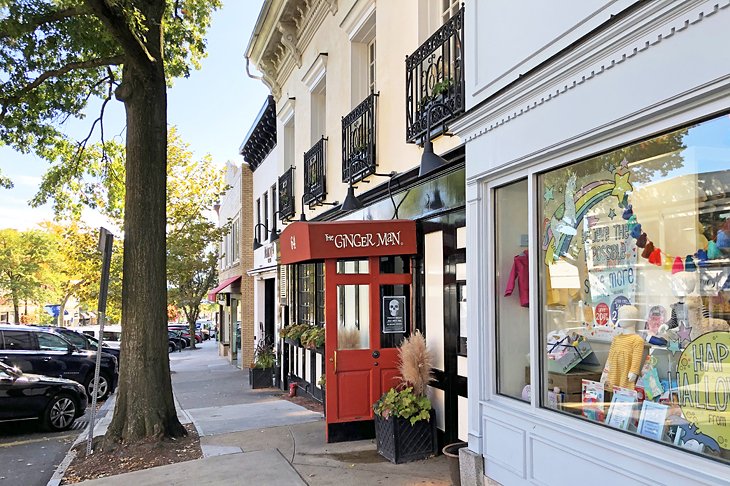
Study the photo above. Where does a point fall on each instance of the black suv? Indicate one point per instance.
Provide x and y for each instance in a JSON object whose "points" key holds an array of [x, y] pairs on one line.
{"points": [[37, 351], [82, 341]]}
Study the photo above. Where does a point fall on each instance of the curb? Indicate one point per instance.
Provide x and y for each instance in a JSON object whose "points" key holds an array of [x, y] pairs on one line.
{"points": [[71, 454]]}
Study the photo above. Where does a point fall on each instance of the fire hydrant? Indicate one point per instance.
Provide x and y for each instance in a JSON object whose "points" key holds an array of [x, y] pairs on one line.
{"points": [[292, 389]]}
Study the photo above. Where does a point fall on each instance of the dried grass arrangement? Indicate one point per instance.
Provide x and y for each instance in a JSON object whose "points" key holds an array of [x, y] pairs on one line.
{"points": [[415, 363], [348, 338]]}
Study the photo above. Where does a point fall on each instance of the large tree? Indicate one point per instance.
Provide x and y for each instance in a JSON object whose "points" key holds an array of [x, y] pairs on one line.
{"points": [[25, 267], [54, 56], [192, 236]]}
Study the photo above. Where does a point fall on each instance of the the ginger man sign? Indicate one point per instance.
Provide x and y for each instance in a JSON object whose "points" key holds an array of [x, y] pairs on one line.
{"points": [[704, 385]]}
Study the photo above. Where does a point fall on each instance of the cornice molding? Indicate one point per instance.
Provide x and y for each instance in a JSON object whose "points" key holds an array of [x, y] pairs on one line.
{"points": [[356, 17], [286, 111], [608, 50], [289, 40], [316, 72]]}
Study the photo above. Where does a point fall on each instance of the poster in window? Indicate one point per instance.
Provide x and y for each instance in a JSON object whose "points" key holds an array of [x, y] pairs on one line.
{"points": [[394, 314]]}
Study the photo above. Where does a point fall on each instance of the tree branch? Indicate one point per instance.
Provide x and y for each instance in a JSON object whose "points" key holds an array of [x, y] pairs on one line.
{"points": [[55, 73], [116, 21], [54, 16]]}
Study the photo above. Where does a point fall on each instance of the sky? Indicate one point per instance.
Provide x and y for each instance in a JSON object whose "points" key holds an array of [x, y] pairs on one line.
{"points": [[213, 110]]}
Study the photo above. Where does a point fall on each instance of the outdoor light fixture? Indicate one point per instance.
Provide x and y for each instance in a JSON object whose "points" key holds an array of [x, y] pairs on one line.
{"points": [[274, 232], [303, 217], [351, 201], [256, 243], [429, 160]]}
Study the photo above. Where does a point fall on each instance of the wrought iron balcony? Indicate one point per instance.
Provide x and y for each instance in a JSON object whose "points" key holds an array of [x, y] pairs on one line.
{"points": [[286, 195], [358, 141], [435, 81], [315, 184]]}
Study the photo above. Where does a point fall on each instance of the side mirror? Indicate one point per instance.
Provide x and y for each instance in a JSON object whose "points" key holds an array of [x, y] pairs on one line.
{"points": [[71, 349]]}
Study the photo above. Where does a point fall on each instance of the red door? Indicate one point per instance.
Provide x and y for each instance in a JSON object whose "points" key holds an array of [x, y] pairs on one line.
{"points": [[361, 358]]}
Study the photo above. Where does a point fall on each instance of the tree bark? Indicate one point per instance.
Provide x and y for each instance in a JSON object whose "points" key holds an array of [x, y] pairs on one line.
{"points": [[16, 309], [145, 405]]}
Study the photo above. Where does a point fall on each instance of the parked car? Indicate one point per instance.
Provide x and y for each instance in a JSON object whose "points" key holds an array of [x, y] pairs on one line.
{"points": [[83, 341], [57, 402], [112, 334], [185, 331], [175, 342], [34, 350], [185, 341]]}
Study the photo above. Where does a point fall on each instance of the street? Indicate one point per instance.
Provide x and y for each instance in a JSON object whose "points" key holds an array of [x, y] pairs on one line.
{"points": [[29, 455]]}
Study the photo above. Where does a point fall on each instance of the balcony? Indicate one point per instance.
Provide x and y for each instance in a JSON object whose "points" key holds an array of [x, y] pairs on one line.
{"points": [[358, 141], [435, 81], [315, 184], [286, 195]]}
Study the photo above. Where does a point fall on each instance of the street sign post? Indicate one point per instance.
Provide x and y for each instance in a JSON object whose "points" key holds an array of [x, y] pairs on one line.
{"points": [[106, 241]]}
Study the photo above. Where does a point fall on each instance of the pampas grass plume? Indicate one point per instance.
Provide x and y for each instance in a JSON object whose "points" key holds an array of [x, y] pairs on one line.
{"points": [[415, 363]]}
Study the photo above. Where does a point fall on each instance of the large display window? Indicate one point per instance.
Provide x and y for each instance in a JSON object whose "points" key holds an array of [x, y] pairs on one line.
{"points": [[634, 289]]}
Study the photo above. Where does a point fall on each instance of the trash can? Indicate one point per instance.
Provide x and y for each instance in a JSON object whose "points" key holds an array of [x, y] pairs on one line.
{"points": [[451, 452]]}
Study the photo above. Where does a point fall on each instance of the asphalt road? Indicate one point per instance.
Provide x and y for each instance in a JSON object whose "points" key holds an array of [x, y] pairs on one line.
{"points": [[29, 455]]}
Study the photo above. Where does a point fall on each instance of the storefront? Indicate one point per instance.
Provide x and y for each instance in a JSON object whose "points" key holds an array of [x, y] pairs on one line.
{"points": [[228, 297], [599, 250], [404, 249]]}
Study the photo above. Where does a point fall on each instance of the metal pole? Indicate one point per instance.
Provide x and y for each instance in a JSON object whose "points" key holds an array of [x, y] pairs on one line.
{"points": [[106, 241]]}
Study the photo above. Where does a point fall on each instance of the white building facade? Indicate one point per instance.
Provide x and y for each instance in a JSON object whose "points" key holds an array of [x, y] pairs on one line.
{"points": [[598, 149]]}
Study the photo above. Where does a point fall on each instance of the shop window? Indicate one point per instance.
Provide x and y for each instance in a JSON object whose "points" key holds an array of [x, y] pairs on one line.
{"points": [[634, 290], [310, 294], [395, 319], [353, 266], [353, 317], [512, 287], [395, 264]]}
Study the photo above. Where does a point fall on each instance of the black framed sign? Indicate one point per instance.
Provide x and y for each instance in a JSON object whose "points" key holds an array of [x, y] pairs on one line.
{"points": [[394, 314]]}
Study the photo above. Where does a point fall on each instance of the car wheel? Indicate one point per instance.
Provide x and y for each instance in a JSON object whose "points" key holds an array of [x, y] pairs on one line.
{"points": [[104, 386], [60, 413], [170, 347]]}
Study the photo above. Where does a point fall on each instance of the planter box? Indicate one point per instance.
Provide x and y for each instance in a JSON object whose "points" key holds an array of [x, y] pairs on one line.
{"points": [[399, 441], [261, 377]]}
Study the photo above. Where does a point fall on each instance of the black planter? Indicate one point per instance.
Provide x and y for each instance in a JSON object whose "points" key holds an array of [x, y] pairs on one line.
{"points": [[261, 377], [399, 441]]}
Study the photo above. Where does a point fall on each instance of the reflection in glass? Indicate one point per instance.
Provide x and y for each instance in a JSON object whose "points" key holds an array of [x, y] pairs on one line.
{"points": [[511, 280], [353, 317], [634, 270]]}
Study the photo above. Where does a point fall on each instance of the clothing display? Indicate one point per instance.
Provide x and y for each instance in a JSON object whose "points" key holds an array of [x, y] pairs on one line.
{"points": [[625, 356], [521, 273]]}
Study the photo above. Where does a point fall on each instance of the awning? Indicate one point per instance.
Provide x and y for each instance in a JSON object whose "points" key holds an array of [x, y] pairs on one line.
{"points": [[222, 286], [305, 241]]}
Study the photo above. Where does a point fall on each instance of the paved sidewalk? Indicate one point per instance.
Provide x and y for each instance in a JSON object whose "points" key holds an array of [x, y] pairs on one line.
{"points": [[255, 437]]}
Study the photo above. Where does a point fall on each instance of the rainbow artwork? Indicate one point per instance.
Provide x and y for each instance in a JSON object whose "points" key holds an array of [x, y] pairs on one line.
{"points": [[556, 243]]}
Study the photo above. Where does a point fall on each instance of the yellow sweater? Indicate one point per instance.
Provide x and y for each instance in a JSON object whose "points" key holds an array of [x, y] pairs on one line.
{"points": [[624, 357]]}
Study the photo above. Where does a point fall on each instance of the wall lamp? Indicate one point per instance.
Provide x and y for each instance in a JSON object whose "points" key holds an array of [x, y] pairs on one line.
{"points": [[303, 217], [256, 243], [352, 202], [429, 160]]}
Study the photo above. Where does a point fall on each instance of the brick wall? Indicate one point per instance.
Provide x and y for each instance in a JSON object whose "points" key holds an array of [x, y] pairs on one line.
{"points": [[247, 283]]}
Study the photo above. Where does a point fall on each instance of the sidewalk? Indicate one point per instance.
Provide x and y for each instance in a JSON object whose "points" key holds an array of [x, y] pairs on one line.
{"points": [[255, 437]]}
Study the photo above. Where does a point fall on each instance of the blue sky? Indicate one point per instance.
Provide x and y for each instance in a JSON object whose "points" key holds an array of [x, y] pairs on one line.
{"points": [[212, 110]]}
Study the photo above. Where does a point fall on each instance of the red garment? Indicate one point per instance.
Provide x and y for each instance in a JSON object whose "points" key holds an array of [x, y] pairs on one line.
{"points": [[520, 272]]}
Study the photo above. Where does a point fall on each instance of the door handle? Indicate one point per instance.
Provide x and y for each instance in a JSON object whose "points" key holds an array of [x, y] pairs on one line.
{"points": [[333, 360], [46, 359]]}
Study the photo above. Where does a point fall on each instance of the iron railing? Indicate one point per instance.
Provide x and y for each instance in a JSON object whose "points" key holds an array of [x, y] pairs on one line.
{"points": [[435, 81], [358, 141], [286, 194], [315, 185]]}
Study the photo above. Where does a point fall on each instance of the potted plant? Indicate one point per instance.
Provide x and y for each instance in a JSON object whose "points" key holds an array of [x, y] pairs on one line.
{"points": [[405, 426], [261, 372], [313, 338]]}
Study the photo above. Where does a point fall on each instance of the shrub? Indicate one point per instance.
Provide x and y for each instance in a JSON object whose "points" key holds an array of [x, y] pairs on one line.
{"points": [[403, 403], [264, 355]]}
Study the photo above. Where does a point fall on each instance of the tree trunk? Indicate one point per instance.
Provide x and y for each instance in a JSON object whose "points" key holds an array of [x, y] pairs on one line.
{"points": [[16, 309], [192, 316], [61, 310], [145, 405]]}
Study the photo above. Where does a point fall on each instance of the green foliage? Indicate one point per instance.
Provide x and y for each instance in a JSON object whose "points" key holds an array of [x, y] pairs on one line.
{"points": [[313, 337], [294, 332], [264, 355], [55, 55], [26, 266], [403, 403], [193, 187]]}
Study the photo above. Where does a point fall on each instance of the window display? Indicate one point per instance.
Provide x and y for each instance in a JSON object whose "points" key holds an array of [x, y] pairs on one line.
{"points": [[634, 288], [513, 294]]}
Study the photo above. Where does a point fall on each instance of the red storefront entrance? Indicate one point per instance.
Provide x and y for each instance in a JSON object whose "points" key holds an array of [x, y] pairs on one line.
{"points": [[368, 309]]}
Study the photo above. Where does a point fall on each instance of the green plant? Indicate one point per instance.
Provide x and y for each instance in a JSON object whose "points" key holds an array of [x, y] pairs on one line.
{"points": [[264, 355], [322, 382], [403, 403], [442, 86], [313, 337], [296, 331]]}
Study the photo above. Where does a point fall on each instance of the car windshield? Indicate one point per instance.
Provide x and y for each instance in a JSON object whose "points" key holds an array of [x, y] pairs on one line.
{"points": [[74, 338]]}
